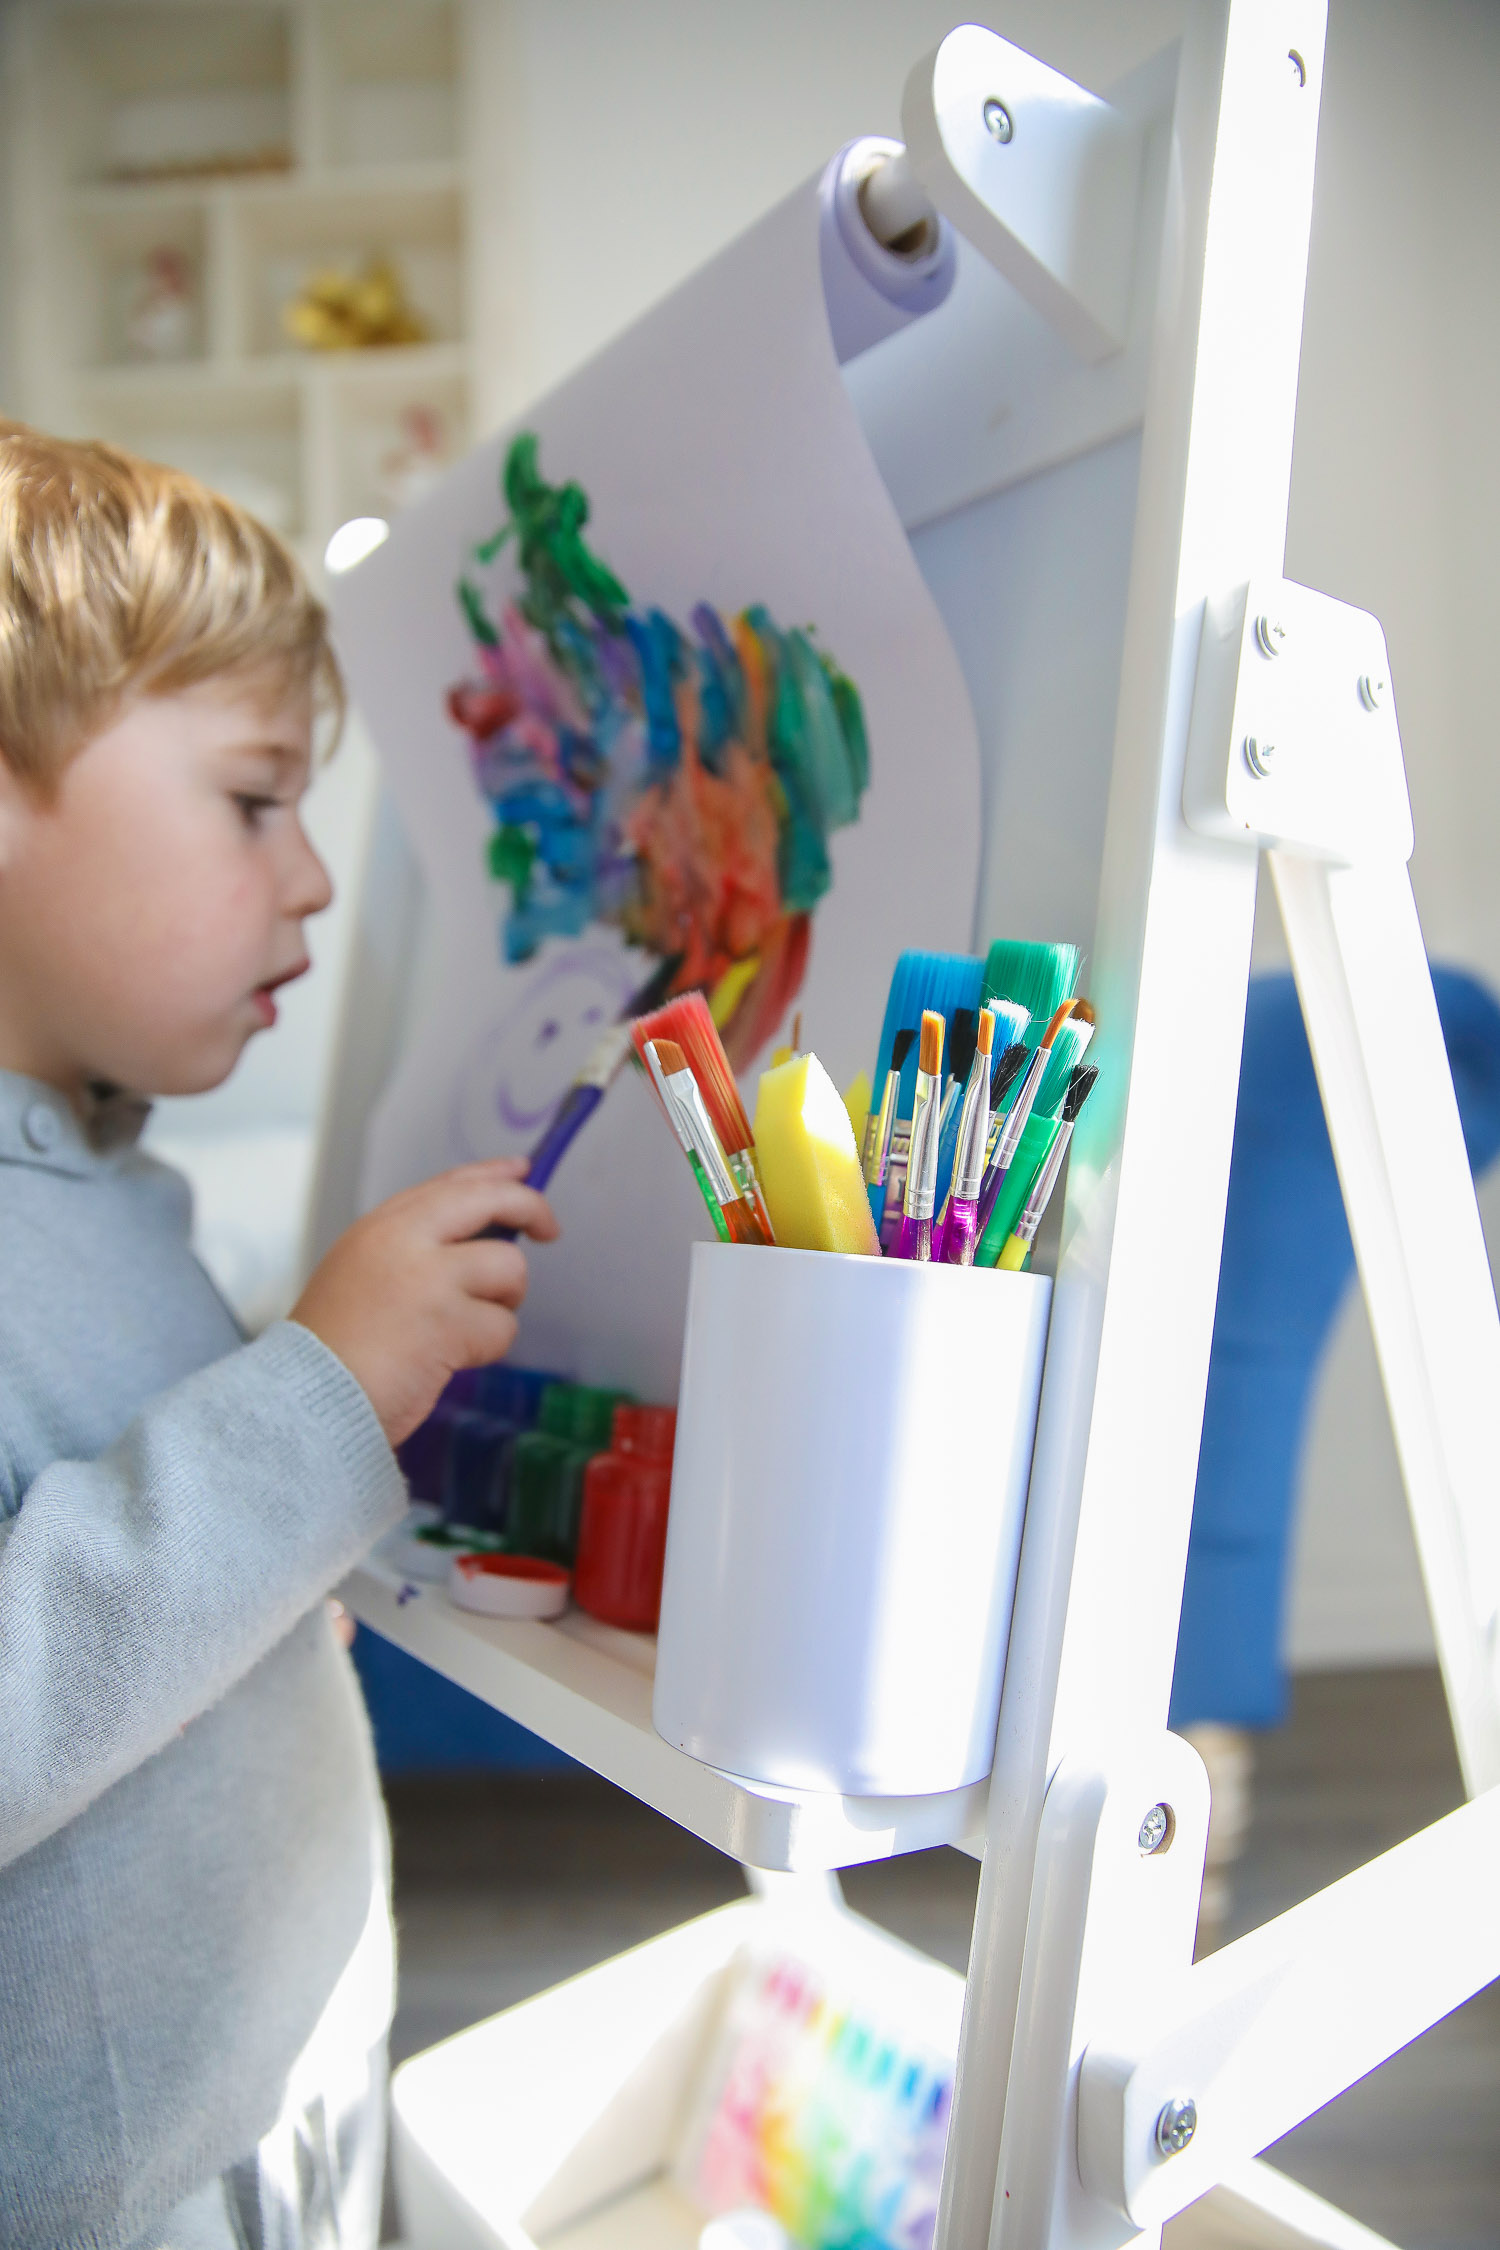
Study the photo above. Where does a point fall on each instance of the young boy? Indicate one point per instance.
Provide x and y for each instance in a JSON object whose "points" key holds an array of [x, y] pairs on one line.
{"points": [[195, 1974]]}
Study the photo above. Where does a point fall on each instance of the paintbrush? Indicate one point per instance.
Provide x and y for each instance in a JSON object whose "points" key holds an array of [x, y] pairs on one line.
{"points": [[880, 1126], [1014, 1123], [1038, 977], [1068, 1046], [1023, 1234], [945, 983], [606, 1059], [958, 1223], [920, 1194], [682, 1128], [688, 1107], [687, 1021]]}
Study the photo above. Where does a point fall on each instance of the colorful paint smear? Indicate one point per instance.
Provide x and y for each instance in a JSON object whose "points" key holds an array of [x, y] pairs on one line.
{"points": [[680, 783], [816, 2113]]}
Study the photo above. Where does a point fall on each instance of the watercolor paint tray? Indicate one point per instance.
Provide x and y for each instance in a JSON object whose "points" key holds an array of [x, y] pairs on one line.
{"points": [[554, 2125], [586, 1688]]}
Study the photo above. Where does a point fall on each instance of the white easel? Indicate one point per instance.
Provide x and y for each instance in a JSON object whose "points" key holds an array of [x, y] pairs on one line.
{"points": [[1105, 2082]]}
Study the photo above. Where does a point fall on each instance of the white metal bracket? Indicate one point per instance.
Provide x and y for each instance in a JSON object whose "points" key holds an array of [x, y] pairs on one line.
{"points": [[1041, 176]]}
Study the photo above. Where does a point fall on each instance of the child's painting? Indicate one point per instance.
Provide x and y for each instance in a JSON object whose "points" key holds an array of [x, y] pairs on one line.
{"points": [[663, 702], [677, 782]]}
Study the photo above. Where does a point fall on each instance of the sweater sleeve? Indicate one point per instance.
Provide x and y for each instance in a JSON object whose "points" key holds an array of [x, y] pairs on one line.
{"points": [[136, 1589]]}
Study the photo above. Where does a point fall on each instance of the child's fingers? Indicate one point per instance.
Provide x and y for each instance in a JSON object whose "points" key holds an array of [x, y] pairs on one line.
{"points": [[488, 1332], [493, 1271], [460, 1204]]}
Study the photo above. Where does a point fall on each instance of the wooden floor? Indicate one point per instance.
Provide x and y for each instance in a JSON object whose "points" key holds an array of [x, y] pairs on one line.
{"points": [[506, 1885]]}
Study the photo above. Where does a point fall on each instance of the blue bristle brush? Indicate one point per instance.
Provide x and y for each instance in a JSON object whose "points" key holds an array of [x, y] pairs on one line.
{"points": [[943, 982], [1010, 1025]]}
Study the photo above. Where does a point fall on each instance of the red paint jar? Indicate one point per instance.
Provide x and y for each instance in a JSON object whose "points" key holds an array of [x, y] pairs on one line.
{"points": [[622, 1537]]}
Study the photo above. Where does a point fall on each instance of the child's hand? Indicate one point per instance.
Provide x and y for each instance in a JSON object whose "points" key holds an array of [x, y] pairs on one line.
{"points": [[408, 1296]]}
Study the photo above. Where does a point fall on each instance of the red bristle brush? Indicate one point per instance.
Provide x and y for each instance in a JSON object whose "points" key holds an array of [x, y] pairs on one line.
{"points": [[687, 1020]]}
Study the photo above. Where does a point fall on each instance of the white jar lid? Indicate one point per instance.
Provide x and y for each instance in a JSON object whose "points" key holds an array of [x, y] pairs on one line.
{"points": [[509, 1585]]}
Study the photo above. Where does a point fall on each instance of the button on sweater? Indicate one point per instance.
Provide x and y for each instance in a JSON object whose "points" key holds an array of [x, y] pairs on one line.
{"points": [[191, 1840]]}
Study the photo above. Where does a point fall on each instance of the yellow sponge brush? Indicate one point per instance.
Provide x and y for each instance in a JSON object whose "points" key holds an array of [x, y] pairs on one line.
{"points": [[809, 1164]]}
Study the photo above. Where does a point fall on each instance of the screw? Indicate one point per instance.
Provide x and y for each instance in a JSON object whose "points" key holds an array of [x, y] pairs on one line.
{"points": [[998, 121], [1269, 635], [1258, 756], [1177, 2124], [1374, 687], [1156, 1829]]}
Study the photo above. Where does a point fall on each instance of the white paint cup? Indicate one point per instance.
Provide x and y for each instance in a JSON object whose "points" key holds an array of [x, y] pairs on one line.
{"points": [[853, 1446]]}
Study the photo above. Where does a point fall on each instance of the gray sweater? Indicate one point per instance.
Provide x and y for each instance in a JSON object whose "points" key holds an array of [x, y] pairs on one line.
{"points": [[191, 1842]]}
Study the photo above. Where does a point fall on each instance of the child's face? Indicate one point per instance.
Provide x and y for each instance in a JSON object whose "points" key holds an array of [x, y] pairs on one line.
{"points": [[149, 910]]}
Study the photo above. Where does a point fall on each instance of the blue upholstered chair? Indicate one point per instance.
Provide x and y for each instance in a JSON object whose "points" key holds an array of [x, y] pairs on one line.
{"points": [[1287, 1262]]}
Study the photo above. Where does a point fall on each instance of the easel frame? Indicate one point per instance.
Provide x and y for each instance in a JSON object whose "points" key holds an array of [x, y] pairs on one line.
{"points": [[1089, 2036], [1078, 2120]]}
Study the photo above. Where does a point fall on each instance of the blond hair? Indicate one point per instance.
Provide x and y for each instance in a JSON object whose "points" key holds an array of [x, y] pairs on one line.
{"points": [[119, 577]]}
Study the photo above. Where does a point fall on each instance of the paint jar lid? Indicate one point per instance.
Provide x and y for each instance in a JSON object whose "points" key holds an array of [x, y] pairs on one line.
{"points": [[644, 1430], [509, 1585]]}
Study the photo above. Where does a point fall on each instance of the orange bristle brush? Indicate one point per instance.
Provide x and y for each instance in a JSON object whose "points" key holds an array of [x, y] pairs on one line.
{"points": [[687, 1021]]}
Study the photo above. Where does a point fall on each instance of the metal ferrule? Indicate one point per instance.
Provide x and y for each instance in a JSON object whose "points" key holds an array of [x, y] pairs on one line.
{"points": [[693, 1110], [921, 1163], [742, 1171], [973, 1133], [1041, 1193], [669, 1101], [880, 1131], [608, 1057]]}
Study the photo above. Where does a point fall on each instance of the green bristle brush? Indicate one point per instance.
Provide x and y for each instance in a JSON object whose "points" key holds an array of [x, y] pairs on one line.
{"points": [[1039, 977]]}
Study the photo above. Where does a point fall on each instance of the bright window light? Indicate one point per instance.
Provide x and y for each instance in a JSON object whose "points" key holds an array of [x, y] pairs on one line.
{"points": [[353, 540]]}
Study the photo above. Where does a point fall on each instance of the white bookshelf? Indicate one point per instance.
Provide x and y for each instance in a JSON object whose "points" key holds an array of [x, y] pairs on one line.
{"points": [[259, 140]]}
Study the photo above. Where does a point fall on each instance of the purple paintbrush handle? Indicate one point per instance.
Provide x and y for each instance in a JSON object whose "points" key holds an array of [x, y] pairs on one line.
{"points": [[989, 1196], [567, 1121], [960, 1233]]}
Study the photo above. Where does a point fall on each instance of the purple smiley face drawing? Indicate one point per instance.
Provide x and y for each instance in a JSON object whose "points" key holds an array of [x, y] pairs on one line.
{"points": [[521, 1067]]}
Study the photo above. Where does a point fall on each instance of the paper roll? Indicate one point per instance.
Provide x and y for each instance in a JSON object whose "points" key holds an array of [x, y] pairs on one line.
{"points": [[872, 289]]}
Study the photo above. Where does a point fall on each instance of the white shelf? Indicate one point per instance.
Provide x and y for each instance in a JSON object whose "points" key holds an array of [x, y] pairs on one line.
{"points": [[588, 1690], [336, 183], [379, 367]]}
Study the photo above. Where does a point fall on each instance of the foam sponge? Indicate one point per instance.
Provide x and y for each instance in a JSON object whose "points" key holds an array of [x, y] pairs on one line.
{"points": [[809, 1165]]}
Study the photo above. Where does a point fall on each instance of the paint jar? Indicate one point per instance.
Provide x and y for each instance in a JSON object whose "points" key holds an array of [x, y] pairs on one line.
{"points": [[622, 1538], [580, 1412], [509, 1395], [547, 1466], [424, 1455], [853, 1450], [476, 1473], [514, 1394]]}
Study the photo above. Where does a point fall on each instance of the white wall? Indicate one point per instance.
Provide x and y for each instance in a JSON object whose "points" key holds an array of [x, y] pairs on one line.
{"points": [[639, 140]]}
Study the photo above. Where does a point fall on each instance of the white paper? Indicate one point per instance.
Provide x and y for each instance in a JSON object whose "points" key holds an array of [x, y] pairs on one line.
{"points": [[723, 463]]}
